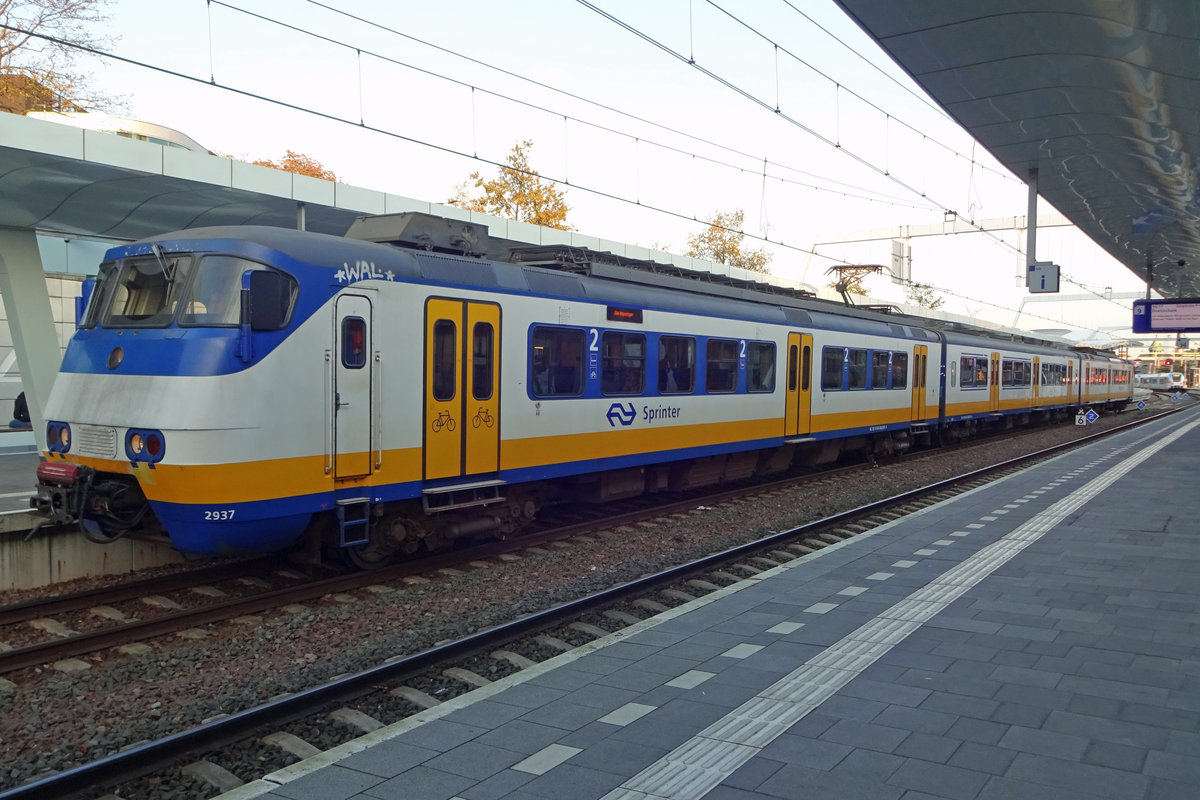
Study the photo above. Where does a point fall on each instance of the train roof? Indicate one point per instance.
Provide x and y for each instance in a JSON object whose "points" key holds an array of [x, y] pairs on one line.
{"points": [[425, 247]]}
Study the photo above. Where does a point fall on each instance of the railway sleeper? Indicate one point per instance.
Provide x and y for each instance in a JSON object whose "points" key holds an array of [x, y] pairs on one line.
{"points": [[213, 775], [416, 697], [624, 617], [587, 629], [473, 679], [292, 744]]}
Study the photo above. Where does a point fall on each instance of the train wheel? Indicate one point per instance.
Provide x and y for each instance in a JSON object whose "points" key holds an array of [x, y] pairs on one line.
{"points": [[367, 557]]}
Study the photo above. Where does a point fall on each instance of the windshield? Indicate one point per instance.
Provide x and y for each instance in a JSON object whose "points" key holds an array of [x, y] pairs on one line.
{"points": [[144, 292], [214, 297]]}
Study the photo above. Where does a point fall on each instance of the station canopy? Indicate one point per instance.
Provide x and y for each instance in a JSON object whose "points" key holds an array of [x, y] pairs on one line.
{"points": [[1101, 97]]}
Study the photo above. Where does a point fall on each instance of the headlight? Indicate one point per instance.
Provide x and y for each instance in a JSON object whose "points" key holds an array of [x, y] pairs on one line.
{"points": [[58, 437], [145, 445]]}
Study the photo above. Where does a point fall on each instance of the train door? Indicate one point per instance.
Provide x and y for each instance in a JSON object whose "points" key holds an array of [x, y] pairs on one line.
{"points": [[797, 415], [920, 367], [1037, 380], [994, 384], [352, 376], [462, 379]]}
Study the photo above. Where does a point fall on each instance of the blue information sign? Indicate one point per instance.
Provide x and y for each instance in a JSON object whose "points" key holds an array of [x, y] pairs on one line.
{"points": [[1166, 316]]}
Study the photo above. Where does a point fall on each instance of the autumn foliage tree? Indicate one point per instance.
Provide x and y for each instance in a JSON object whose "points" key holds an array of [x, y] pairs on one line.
{"points": [[517, 193], [299, 164], [722, 242], [39, 44], [922, 294]]}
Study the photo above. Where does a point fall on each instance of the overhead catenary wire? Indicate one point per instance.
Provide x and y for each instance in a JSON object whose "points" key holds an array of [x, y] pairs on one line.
{"points": [[903, 202], [834, 143], [362, 124]]}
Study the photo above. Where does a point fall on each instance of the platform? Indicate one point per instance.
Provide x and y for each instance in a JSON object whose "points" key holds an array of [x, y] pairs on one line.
{"points": [[1037, 637], [18, 480]]}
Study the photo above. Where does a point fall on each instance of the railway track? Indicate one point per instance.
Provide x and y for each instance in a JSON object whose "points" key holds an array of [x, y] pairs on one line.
{"points": [[547, 631], [74, 626]]}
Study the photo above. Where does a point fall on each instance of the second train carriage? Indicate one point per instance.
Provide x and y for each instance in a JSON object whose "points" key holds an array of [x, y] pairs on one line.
{"points": [[241, 387]]}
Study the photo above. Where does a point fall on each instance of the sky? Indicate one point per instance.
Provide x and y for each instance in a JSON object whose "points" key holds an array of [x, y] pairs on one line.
{"points": [[651, 116]]}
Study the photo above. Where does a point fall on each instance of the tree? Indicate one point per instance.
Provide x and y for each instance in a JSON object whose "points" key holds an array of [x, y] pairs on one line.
{"points": [[38, 73], [299, 164], [922, 294], [518, 193], [722, 242]]}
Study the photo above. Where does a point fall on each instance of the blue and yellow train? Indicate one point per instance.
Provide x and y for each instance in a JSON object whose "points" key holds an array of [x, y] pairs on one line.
{"points": [[250, 389]]}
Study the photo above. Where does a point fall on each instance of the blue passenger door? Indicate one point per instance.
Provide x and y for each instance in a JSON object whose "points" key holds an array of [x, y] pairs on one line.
{"points": [[352, 375]]}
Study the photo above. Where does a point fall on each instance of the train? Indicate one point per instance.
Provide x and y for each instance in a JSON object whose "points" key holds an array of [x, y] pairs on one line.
{"points": [[417, 382], [1161, 381]]}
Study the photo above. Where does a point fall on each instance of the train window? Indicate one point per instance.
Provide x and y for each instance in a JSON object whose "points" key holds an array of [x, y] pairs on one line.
{"points": [[856, 374], [760, 367], [105, 281], [1054, 374], [676, 365], [805, 368], [354, 342], [623, 363], [146, 292], [557, 362], [974, 371], [879, 368], [721, 365], [482, 360], [792, 367], [445, 352], [833, 362], [900, 370], [1015, 374], [214, 298]]}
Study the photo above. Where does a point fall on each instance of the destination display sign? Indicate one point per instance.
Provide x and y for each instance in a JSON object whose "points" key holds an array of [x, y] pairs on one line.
{"points": [[1166, 316]]}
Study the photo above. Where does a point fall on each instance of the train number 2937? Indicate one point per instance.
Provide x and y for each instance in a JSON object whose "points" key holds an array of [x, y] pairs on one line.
{"points": [[223, 514]]}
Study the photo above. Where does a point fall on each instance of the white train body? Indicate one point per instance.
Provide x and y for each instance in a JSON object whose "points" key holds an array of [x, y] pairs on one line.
{"points": [[382, 399]]}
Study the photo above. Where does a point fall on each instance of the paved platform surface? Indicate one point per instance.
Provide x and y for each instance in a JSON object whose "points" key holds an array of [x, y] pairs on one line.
{"points": [[18, 479], [1037, 637]]}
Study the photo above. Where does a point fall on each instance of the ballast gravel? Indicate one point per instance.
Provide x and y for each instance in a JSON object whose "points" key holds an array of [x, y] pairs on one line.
{"points": [[51, 721]]}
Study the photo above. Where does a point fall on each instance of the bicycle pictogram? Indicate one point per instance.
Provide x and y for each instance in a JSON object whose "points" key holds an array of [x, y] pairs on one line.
{"points": [[443, 420], [483, 417]]}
